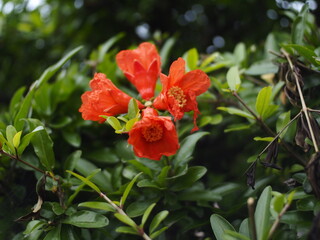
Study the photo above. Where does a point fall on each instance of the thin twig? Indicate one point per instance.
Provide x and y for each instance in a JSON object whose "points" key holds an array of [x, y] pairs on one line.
{"points": [[304, 106], [120, 211], [277, 221], [267, 129], [279, 133]]}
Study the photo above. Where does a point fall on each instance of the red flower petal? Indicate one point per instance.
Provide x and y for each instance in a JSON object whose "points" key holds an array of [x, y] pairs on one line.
{"points": [[142, 67], [153, 136], [104, 99]]}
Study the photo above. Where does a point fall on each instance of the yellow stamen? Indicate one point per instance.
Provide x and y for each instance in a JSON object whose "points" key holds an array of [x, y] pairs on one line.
{"points": [[152, 133], [178, 94]]}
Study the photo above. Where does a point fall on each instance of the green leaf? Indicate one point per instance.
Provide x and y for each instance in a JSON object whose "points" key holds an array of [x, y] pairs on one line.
{"points": [[185, 181], [141, 167], [72, 160], [130, 123], [86, 219], [239, 53], [213, 120], [128, 189], [277, 203], [54, 234], [127, 230], [299, 26], [235, 235], [262, 214], [199, 195], [97, 205], [43, 145], [104, 48], [23, 111], [157, 233], [305, 52], [236, 111], [162, 177], [56, 208], [263, 103], [126, 220], [157, 220], [133, 109], [27, 138], [219, 226], [192, 58], [16, 139], [10, 133], [68, 232], [233, 78], [186, 148], [282, 121], [244, 228], [15, 101], [50, 71], [114, 122], [166, 48], [146, 214], [262, 67], [86, 181], [264, 139]]}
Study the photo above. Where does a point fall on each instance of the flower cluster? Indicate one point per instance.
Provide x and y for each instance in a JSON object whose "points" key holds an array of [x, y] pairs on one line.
{"points": [[152, 136]]}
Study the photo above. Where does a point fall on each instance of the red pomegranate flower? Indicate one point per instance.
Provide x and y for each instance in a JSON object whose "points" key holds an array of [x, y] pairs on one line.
{"points": [[153, 136], [141, 66], [104, 99], [180, 89]]}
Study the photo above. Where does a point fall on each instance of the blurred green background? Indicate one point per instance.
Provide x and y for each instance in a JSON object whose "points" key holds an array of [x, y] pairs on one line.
{"points": [[36, 33]]}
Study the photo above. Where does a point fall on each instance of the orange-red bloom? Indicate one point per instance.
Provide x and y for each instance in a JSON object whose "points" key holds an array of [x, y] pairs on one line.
{"points": [[180, 89], [153, 136], [141, 66], [104, 99]]}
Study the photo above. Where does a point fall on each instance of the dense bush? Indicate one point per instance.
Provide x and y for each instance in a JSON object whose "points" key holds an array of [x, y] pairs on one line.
{"points": [[250, 172]]}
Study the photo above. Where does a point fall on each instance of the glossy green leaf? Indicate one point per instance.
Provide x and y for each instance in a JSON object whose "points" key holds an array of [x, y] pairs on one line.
{"points": [[219, 226], [262, 214], [277, 204], [162, 177], [233, 78], [23, 111], [114, 122], [213, 120], [186, 148], [130, 123], [133, 109], [97, 205], [185, 181], [146, 214], [86, 181], [54, 234], [126, 220], [239, 53], [127, 230], [68, 232], [192, 58], [25, 141], [263, 103], [199, 195], [57, 208], [16, 139], [86, 219], [263, 139], [128, 189], [10, 133], [157, 233], [43, 145], [236, 111], [157, 220]]}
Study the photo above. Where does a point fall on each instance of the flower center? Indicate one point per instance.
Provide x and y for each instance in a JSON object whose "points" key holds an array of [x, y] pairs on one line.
{"points": [[178, 94], [152, 133]]}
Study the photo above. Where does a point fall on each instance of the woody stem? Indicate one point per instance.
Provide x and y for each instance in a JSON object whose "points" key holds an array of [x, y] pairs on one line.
{"points": [[303, 104]]}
